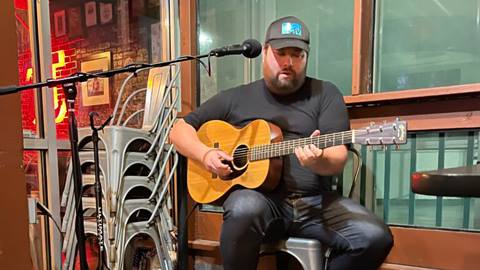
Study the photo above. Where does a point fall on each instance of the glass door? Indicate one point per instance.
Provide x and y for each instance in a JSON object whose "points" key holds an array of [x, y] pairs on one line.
{"points": [[59, 38]]}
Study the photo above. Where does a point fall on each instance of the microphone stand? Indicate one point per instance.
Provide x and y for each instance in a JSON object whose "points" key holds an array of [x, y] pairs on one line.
{"points": [[98, 189], [70, 90]]}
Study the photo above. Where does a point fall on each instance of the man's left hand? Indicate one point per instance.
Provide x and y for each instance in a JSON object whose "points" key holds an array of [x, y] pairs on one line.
{"points": [[309, 154]]}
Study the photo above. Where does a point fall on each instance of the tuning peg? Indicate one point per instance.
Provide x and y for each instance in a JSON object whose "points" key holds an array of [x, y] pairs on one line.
{"points": [[372, 124]]}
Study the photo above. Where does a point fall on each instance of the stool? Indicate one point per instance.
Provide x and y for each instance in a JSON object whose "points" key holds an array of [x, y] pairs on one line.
{"points": [[307, 251]]}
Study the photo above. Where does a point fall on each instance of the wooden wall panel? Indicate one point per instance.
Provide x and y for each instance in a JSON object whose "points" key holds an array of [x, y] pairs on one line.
{"points": [[437, 249], [14, 241], [362, 47], [188, 46]]}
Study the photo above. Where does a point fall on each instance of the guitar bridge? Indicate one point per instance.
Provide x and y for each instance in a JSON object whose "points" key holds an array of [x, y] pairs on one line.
{"points": [[215, 145]]}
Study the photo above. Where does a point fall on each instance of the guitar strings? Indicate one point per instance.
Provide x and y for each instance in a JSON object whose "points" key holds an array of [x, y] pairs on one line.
{"points": [[267, 150], [258, 150]]}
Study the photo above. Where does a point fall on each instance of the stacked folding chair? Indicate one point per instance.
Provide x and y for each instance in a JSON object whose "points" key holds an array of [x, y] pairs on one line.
{"points": [[137, 166]]}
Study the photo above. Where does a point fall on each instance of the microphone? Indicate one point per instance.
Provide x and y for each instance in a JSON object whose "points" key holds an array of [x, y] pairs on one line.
{"points": [[250, 48]]}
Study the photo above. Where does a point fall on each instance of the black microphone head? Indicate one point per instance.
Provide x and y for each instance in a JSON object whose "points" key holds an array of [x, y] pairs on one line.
{"points": [[253, 48]]}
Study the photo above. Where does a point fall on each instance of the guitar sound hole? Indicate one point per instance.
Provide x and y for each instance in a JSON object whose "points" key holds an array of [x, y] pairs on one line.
{"points": [[239, 163], [240, 157]]}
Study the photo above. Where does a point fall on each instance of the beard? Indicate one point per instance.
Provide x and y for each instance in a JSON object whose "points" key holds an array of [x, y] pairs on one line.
{"points": [[285, 86]]}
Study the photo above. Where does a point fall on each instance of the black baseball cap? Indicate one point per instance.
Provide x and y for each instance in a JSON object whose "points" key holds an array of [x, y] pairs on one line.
{"points": [[288, 31]]}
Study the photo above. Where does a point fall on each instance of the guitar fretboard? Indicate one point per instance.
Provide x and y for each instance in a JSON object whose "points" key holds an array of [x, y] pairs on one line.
{"points": [[284, 148]]}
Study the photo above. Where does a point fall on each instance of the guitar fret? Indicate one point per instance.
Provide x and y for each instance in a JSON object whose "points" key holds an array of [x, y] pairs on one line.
{"points": [[267, 151]]}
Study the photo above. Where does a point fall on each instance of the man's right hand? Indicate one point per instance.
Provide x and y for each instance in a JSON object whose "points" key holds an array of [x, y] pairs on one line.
{"points": [[214, 161], [186, 141]]}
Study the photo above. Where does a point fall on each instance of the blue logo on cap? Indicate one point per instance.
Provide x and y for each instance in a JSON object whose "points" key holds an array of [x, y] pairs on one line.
{"points": [[291, 29]]}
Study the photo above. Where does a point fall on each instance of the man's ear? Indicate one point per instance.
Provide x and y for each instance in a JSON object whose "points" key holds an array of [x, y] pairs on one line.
{"points": [[264, 51], [265, 47]]}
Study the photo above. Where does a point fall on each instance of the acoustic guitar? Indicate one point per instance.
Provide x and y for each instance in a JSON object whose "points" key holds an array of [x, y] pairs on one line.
{"points": [[257, 150]]}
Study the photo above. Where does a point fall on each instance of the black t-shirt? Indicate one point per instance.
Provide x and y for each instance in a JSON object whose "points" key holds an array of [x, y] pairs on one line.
{"points": [[316, 105]]}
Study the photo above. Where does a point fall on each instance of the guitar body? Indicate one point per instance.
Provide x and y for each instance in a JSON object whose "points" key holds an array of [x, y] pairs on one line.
{"points": [[205, 187]]}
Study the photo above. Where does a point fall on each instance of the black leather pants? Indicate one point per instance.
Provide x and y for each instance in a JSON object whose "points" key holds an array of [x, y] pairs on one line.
{"points": [[360, 240]]}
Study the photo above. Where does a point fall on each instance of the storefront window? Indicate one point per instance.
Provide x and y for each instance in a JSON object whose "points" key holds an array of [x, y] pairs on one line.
{"points": [[92, 36], [25, 70], [85, 36], [421, 44], [230, 22]]}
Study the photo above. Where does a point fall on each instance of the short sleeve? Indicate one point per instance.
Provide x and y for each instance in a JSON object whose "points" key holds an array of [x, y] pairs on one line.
{"points": [[333, 115], [216, 108]]}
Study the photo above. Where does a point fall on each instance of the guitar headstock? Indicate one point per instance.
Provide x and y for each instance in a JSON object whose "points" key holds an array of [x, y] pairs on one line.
{"points": [[382, 134]]}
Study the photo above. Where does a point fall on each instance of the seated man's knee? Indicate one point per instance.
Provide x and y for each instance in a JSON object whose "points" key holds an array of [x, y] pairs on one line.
{"points": [[379, 238], [387, 240], [244, 205]]}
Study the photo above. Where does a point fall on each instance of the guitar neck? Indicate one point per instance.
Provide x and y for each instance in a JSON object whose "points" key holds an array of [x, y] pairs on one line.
{"points": [[284, 148]]}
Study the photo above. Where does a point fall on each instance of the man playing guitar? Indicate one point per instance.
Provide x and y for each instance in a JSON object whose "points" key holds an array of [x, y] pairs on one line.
{"points": [[302, 204]]}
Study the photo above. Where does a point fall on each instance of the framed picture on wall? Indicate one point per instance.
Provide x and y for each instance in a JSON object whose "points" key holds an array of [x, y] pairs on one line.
{"points": [[59, 23], [74, 18], [106, 13], [90, 13], [96, 91]]}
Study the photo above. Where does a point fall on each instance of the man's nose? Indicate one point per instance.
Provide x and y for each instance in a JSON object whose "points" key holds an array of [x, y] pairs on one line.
{"points": [[287, 61]]}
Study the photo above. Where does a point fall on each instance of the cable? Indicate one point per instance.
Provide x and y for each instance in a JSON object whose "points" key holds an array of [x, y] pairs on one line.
{"points": [[357, 170], [44, 210], [191, 211]]}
